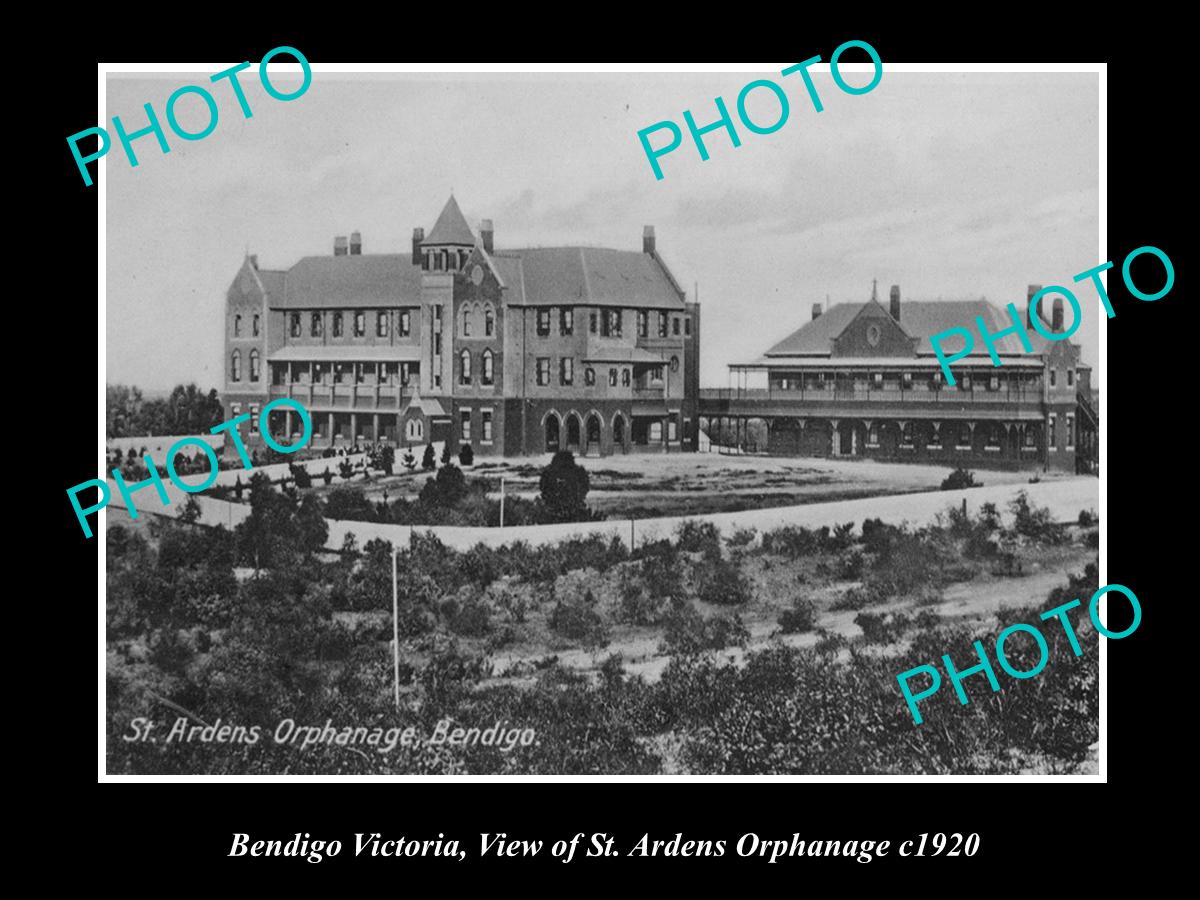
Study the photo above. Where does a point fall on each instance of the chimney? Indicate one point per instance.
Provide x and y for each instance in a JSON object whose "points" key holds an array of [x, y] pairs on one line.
{"points": [[355, 244], [816, 311], [339, 245], [418, 238], [648, 239], [1056, 322], [486, 233], [1033, 289], [895, 304]]}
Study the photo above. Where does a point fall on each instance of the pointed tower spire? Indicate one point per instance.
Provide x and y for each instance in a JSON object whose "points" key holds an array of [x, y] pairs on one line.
{"points": [[451, 227]]}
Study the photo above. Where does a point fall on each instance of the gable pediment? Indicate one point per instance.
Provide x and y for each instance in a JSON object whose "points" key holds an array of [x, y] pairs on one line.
{"points": [[873, 332]]}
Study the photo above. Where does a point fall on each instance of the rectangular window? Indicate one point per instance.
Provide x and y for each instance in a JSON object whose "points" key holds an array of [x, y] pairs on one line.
{"points": [[1070, 432], [381, 323], [360, 323], [643, 323], [1053, 377], [592, 321], [966, 382], [437, 314], [543, 370], [485, 430], [1070, 377], [254, 418], [543, 323], [465, 425], [675, 326], [612, 377], [672, 427], [1050, 435], [437, 343], [877, 379], [295, 325], [405, 324], [662, 324], [906, 435], [314, 328], [655, 431], [337, 324], [994, 383], [566, 320], [566, 370], [610, 325], [237, 326], [656, 374], [589, 376], [687, 326], [873, 436], [256, 325]]}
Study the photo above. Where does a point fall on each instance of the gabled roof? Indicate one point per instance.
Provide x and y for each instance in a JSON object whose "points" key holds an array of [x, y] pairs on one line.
{"points": [[919, 318], [451, 227], [586, 276], [325, 282]]}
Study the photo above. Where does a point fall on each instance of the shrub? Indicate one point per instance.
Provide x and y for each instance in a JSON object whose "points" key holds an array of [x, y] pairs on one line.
{"points": [[428, 463], [791, 541], [564, 486], [831, 643], [722, 582], [850, 565], [743, 537], [960, 478], [467, 614], [445, 490], [800, 618], [578, 620], [1087, 518], [238, 487], [409, 461], [466, 456], [1035, 522], [879, 628], [327, 476], [349, 504], [694, 536], [346, 469], [687, 632], [447, 453], [300, 475]]}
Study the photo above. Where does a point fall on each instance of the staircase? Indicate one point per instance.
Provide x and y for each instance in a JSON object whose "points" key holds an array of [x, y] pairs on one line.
{"points": [[1087, 411]]}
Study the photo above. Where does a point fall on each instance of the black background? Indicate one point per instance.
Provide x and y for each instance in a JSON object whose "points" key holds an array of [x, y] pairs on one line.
{"points": [[187, 832]]}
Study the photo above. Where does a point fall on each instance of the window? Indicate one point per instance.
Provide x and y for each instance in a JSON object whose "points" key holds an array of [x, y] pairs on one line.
{"points": [[1050, 430], [610, 325], [464, 431], [674, 363], [906, 435], [295, 325], [566, 320], [662, 324], [1070, 377], [655, 431], [381, 323], [625, 377], [414, 430], [612, 377], [1070, 430], [566, 370], [254, 418], [237, 326], [993, 438], [964, 438], [254, 373], [485, 430], [466, 321], [877, 379], [437, 343], [1030, 437], [934, 384], [687, 326], [360, 323], [675, 326], [656, 373], [1053, 377], [464, 367], [873, 436], [543, 370], [254, 328], [486, 374], [405, 327], [437, 313], [235, 366], [592, 322], [489, 322], [994, 383], [672, 425], [543, 323], [314, 325], [589, 376], [337, 324], [643, 323], [406, 373], [966, 382]]}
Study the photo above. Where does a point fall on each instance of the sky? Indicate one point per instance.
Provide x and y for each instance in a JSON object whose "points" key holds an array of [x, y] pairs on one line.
{"points": [[954, 186]]}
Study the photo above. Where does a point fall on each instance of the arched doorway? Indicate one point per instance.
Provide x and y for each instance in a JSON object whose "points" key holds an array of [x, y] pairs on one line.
{"points": [[573, 432], [552, 433], [593, 434], [619, 433]]}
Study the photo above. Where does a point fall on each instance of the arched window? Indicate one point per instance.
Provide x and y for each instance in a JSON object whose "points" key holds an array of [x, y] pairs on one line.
{"points": [[675, 364], [414, 430], [256, 326], [489, 322], [464, 367], [254, 365], [589, 376], [237, 326], [235, 366], [466, 321], [487, 376]]}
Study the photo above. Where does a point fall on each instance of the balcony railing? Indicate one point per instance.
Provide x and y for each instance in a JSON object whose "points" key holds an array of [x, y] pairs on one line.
{"points": [[914, 394], [346, 396]]}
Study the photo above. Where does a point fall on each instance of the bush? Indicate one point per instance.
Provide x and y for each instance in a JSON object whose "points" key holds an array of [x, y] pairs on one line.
{"points": [[346, 469], [564, 486], [722, 582], [428, 463], [960, 478], [300, 475], [791, 541], [1035, 522], [577, 619], [800, 618], [466, 456], [695, 536], [445, 490], [1087, 518], [349, 505], [447, 453], [687, 632], [879, 628], [467, 614], [409, 461], [743, 537], [327, 476]]}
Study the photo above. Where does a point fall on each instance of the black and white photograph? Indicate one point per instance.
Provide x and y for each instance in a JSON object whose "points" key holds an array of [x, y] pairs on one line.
{"points": [[681, 422]]}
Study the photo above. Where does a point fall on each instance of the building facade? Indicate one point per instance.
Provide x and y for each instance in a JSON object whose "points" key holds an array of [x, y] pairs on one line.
{"points": [[514, 352], [862, 380]]}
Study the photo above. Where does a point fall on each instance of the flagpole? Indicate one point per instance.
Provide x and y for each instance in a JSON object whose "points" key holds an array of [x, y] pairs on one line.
{"points": [[395, 630]]}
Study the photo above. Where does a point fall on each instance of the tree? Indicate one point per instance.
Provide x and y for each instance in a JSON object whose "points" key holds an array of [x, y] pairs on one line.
{"points": [[446, 490], [310, 521], [427, 461], [564, 486], [410, 461], [447, 453], [466, 456]]}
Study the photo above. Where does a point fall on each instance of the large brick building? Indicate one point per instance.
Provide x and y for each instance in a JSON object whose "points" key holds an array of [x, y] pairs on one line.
{"points": [[515, 351], [862, 380]]}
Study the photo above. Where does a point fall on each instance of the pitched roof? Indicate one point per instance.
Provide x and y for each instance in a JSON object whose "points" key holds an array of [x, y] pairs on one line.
{"points": [[920, 318], [586, 276], [379, 279], [451, 227]]}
